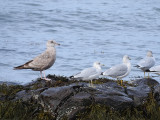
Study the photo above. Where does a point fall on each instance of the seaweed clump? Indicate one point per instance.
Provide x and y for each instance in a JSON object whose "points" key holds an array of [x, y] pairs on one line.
{"points": [[18, 109]]}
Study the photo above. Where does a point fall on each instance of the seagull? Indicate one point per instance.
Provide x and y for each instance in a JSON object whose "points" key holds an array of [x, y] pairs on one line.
{"points": [[146, 63], [43, 61], [90, 73], [119, 71]]}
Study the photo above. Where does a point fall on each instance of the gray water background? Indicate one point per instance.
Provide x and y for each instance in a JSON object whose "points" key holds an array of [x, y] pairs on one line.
{"points": [[88, 31]]}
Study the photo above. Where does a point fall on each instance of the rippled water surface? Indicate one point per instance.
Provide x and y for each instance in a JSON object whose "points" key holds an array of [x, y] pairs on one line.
{"points": [[88, 31]]}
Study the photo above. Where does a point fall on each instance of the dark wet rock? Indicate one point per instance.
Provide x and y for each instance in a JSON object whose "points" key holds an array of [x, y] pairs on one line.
{"points": [[27, 95], [68, 100], [139, 94], [113, 95], [55, 96], [73, 105], [141, 89]]}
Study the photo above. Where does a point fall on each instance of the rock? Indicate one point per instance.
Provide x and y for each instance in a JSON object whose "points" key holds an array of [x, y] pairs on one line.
{"points": [[142, 88], [73, 105], [139, 94], [112, 95], [53, 98], [69, 100], [27, 95]]}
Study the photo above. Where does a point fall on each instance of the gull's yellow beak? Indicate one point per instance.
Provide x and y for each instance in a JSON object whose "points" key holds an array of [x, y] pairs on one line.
{"points": [[102, 65]]}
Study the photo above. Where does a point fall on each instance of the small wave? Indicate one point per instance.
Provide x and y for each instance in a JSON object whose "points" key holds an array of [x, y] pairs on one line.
{"points": [[157, 9], [4, 64], [51, 30], [32, 4], [6, 50]]}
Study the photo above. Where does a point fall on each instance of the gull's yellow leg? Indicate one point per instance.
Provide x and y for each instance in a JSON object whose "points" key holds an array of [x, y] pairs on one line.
{"points": [[144, 75], [121, 82]]}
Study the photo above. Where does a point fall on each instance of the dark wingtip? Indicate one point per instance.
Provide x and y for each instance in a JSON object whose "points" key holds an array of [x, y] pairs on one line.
{"points": [[71, 76], [101, 73], [15, 68], [18, 67], [24, 66], [137, 66], [148, 71]]}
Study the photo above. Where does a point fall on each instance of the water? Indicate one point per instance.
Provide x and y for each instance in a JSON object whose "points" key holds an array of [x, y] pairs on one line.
{"points": [[88, 31]]}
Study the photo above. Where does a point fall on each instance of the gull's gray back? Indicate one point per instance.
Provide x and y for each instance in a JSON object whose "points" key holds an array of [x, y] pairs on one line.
{"points": [[84, 74], [116, 71]]}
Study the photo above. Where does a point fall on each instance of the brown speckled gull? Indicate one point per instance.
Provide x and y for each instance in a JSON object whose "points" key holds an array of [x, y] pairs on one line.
{"points": [[43, 61]]}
